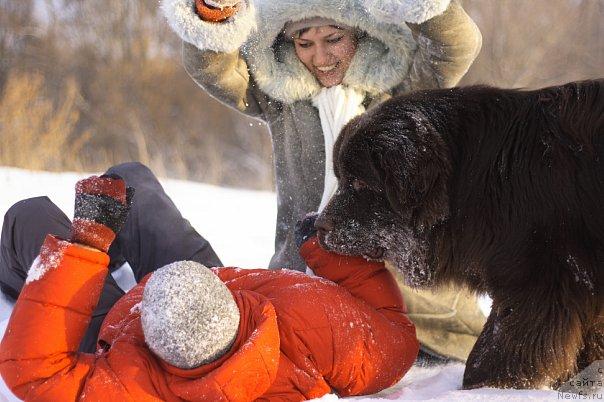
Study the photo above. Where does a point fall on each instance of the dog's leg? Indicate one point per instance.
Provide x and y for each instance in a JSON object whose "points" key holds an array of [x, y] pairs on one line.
{"points": [[594, 346], [478, 372], [530, 340]]}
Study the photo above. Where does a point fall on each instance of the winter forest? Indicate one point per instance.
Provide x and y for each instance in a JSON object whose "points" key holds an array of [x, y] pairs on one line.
{"points": [[457, 255]]}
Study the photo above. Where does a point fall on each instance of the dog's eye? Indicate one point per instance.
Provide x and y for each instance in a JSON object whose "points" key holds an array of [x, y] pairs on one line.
{"points": [[359, 184]]}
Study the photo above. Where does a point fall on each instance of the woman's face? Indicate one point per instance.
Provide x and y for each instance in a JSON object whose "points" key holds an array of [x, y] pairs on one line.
{"points": [[326, 51]]}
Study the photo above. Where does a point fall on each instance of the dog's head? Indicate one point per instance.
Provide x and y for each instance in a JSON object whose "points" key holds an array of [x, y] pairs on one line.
{"points": [[392, 168]]}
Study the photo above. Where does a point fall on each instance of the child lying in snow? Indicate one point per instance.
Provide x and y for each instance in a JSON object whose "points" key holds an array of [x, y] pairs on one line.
{"points": [[189, 333]]}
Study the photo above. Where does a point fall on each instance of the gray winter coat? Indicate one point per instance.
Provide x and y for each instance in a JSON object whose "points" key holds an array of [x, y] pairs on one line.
{"points": [[244, 63]]}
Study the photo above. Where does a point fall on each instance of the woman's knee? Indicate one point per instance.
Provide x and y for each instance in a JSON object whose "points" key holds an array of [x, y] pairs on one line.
{"points": [[135, 174], [148, 191], [27, 208], [34, 217]]}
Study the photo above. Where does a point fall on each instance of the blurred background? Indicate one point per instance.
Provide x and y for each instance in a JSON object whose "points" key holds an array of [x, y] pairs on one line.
{"points": [[86, 84]]}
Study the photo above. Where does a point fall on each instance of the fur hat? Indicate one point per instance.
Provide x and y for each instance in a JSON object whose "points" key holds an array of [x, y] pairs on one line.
{"points": [[188, 315], [292, 27]]}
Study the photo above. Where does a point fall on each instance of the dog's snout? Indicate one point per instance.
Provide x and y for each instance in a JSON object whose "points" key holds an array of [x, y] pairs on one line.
{"points": [[323, 224]]}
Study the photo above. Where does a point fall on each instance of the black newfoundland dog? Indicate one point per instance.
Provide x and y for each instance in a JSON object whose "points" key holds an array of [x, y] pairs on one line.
{"points": [[498, 190]]}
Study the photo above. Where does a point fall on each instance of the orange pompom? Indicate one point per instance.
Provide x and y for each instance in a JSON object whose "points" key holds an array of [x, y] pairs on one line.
{"points": [[213, 14]]}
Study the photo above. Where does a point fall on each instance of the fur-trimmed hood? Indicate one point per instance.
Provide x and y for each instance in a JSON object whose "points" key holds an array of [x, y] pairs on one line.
{"points": [[380, 63]]}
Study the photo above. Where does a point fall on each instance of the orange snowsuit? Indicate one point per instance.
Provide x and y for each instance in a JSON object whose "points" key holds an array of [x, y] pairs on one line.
{"points": [[299, 337]]}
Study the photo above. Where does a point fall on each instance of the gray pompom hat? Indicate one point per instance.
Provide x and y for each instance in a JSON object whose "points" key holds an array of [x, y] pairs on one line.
{"points": [[189, 317]]}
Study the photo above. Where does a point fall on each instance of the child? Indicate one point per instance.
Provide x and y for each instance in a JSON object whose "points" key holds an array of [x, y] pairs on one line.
{"points": [[189, 333]]}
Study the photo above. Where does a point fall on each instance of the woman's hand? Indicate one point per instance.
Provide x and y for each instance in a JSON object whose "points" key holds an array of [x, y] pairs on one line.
{"points": [[305, 228]]}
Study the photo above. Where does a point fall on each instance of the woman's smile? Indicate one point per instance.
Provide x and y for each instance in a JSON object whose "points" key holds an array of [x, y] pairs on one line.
{"points": [[326, 51], [326, 69]]}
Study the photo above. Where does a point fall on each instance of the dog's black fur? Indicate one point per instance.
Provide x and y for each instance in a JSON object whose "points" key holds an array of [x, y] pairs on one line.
{"points": [[498, 190]]}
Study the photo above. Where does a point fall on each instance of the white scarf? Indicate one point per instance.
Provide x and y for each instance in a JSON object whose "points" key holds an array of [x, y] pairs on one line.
{"points": [[337, 106]]}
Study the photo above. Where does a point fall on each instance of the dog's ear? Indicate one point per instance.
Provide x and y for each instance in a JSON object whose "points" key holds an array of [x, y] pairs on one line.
{"points": [[414, 166]]}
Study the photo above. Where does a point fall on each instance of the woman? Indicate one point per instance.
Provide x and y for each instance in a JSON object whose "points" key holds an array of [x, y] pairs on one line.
{"points": [[272, 60], [306, 68]]}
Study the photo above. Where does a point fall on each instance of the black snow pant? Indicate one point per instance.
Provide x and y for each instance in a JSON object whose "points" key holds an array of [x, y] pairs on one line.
{"points": [[155, 234]]}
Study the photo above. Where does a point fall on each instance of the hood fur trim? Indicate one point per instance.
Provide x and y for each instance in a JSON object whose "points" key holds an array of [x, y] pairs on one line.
{"points": [[413, 11], [380, 63], [227, 36]]}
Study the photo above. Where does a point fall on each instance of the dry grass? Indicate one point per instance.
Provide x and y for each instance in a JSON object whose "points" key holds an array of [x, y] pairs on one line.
{"points": [[104, 85], [35, 131]]}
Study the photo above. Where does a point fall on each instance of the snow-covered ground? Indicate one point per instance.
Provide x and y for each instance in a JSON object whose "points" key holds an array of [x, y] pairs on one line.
{"points": [[240, 226]]}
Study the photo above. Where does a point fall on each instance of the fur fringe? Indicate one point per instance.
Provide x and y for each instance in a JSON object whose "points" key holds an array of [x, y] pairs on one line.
{"points": [[414, 11], [225, 37], [381, 62]]}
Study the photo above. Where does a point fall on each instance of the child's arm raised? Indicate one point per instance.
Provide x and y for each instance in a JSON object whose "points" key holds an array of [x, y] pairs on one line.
{"points": [[367, 280], [38, 354], [389, 345]]}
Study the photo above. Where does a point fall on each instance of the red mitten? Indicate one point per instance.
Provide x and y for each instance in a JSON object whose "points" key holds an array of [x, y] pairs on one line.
{"points": [[101, 208]]}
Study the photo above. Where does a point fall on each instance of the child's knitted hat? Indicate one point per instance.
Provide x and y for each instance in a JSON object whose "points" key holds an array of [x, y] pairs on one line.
{"points": [[188, 315]]}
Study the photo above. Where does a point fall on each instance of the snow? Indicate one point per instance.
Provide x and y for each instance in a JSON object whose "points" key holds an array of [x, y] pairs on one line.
{"points": [[47, 260], [240, 226]]}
